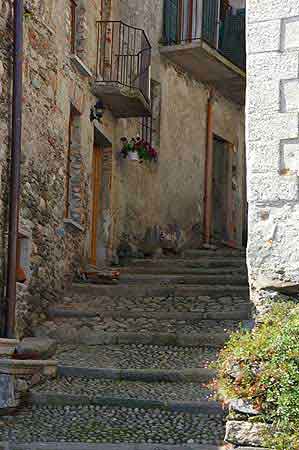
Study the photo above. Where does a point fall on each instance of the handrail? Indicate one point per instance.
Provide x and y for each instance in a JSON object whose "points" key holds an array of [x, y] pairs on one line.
{"points": [[123, 56], [126, 25]]}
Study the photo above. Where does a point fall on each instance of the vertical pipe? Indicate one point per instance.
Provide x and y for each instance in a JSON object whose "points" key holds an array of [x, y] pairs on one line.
{"points": [[15, 167], [209, 171]]}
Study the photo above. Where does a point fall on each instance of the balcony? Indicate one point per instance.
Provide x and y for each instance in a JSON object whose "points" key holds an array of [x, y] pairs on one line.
{"points": [[123, 69], [206, 38]]}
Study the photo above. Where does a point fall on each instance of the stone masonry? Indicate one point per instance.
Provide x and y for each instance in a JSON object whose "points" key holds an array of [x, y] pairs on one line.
{"points": [[273, 145]]}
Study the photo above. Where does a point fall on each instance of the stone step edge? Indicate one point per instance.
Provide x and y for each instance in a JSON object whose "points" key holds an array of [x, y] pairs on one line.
{"points": [[242, 314], [122, 290], [57, 399], [201, 375], [212, 340], [85, 446], [181, 270]]}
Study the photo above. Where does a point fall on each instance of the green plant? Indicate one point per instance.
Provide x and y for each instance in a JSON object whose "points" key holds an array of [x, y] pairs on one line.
{"points": [[262, 367]]}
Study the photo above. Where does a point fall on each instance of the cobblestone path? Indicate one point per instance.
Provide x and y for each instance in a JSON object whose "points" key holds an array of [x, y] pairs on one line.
{"points": [[134, 359]]}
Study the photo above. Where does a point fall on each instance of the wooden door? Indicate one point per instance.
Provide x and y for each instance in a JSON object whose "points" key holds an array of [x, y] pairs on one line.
{"points": [[96, 200]]}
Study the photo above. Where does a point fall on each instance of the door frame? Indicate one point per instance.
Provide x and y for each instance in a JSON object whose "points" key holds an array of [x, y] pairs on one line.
{"points": [[96, 196]]}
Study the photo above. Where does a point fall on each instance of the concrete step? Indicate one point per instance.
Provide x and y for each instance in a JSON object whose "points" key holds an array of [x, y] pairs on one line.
{"points": [[190, 279], [77, 311], [87, 446], [141, 290]]}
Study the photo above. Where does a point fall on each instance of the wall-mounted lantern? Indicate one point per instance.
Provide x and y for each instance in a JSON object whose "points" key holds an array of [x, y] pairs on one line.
{"points": [[97, 111]]}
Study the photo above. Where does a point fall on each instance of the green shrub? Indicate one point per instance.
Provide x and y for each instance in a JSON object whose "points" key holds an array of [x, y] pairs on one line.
{"points": [[262, 367]]}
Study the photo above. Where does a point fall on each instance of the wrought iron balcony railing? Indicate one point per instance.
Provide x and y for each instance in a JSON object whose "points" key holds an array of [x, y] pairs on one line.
{"points": [[123, 56], [213, 21]]}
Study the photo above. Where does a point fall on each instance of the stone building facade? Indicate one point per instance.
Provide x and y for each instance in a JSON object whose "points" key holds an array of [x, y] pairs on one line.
{"points": [[272, 146], [64, 222]]}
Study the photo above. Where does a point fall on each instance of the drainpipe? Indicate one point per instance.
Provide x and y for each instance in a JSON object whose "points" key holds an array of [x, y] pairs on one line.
{"points": [[14, 198], [209, 171]]}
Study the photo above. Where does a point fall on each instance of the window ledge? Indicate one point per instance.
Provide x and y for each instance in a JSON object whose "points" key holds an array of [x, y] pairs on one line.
{"points": [[80, 66], [73, 224]]}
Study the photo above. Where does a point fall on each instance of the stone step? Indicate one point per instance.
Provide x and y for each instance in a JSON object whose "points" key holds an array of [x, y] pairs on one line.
{"points": [[173, 269], [196, 407], [204, 304], [219, 251], [141, 290], [201, 375], [135, 357], [77, 311], [168, 396], [96, 424], [201, 262], [86, 446], [170, 280], [69, 333]]}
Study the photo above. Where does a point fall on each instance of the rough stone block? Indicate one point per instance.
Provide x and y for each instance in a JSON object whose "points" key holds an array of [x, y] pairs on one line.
{"points": [[272, 66], [7, 392], [290, 156], [272, 126], [36, 348], [290, 34], [263, 157], [263, 96], [290, 95], [270, 187], [259, 11], [264, 36], [246, 433], [272, 255]]}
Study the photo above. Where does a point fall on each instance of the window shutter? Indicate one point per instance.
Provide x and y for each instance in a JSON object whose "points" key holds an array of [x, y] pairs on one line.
{"points": [[210, 20], [171, 21]]}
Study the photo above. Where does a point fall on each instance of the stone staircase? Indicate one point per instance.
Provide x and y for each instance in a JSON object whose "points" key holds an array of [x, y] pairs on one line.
{"points": [[134, 358]]}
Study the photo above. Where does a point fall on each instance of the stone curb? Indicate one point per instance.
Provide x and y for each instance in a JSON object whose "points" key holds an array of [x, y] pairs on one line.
{"points": [[181, 270], [200, 407], [243, 314], [83, 446], [149, 375], [125, 290], [211, 340]]}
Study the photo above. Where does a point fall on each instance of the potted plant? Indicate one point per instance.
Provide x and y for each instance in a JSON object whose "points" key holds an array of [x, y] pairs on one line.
{"points": [[138, 150]]}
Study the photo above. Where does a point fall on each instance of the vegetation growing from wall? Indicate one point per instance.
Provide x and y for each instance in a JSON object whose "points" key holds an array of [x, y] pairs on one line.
{"points": [[262, 367]]}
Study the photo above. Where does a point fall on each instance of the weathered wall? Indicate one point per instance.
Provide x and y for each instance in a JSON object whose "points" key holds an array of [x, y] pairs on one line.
{"points": [[273, 144], [172, 192], [51, 85]]}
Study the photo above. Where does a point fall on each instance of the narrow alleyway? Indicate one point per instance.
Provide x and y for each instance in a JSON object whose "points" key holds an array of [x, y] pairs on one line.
{"points": [[134, 358]]}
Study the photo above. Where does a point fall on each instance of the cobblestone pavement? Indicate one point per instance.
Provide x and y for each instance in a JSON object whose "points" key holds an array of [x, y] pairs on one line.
{"points": [[113, 425], [127, 389], [203, 304], [147, 325], [135, 356]]}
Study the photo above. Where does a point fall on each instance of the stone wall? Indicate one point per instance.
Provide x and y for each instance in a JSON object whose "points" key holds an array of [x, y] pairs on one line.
{"points": [[53, 85], [273, 145]]}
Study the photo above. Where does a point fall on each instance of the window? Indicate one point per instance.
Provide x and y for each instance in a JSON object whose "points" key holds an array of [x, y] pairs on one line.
{"points": [[73, 5], [150, 126]]}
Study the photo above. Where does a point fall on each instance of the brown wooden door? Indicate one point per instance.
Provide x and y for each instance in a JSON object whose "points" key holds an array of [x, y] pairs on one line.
{"points": [[96, 198]]}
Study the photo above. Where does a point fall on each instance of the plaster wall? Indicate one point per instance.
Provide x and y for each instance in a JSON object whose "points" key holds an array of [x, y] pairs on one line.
{"points": [[172, 191], [272, 143]]}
